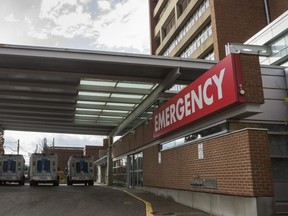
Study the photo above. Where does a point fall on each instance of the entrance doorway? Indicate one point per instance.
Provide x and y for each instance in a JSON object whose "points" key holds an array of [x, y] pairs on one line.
{"points": [[135, 170]]}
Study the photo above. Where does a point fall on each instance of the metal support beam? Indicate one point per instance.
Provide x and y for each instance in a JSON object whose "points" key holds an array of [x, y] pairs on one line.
{"points": [[109, 162], [247, 49], [145, 104]]}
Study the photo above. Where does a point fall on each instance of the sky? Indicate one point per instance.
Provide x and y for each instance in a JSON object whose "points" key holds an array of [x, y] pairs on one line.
{"points": [[102, 25]]}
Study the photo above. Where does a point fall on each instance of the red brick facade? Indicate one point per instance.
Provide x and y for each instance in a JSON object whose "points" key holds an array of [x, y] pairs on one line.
{"points": [[239, 162], [93, 151], [252, 84], [252, 81], [235, 22], [277, 7], [63, 154]]}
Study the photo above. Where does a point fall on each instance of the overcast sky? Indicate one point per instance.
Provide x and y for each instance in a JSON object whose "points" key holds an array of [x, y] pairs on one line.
{"points": [[107, 25]]}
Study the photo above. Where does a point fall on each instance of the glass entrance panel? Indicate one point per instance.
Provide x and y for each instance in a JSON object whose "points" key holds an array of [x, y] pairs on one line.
{"points": [[136, 170]]}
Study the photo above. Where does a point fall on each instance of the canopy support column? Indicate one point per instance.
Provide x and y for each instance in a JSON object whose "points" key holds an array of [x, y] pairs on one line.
{"points": [[109, 162]]}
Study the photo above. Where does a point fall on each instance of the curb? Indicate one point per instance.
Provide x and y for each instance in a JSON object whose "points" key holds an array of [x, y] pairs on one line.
{"points": [[148, 205]]}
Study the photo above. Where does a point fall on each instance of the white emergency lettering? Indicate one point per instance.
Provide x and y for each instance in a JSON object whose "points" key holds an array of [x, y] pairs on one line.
{"points": [[192, 101]]}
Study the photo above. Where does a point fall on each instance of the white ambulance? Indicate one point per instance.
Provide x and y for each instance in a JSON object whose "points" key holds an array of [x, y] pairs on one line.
{"points": [[43, 169], [80, 170], [12, 169]]}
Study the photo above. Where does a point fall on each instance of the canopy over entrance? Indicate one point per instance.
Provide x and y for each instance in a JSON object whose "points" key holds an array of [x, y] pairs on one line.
{"points": [[85, 92]]}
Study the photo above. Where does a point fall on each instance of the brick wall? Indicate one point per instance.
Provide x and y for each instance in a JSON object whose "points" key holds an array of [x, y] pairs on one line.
{"points": [[277, 7], [64, 154], [93, 151], [252, 84], [252, 81], [234, 22], [153, 22], [142, 135], [239, 162]]}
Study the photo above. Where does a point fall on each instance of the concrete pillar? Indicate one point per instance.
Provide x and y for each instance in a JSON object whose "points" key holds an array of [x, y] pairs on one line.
{"points": [[109, 162], [99, 174], [1, 141]]}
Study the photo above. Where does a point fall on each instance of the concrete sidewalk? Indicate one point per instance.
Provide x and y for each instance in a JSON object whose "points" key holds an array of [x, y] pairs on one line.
{"points": [[162, 206]]}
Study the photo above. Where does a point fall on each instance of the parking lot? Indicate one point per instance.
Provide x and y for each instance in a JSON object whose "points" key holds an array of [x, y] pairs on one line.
{"points": [[78, 200]]}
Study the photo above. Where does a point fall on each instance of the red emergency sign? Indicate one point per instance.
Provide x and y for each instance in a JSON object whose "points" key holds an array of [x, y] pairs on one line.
{"points": [[215, 90]]}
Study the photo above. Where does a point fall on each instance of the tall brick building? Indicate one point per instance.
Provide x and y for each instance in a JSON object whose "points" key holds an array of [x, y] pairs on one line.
{"points": [[234, 161], [220, 144], [201, 28]]}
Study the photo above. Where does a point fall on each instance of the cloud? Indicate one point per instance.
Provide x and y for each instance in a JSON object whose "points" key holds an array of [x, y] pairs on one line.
{"points": [[121, 26], [104, 5], [114, 25], [124, 26], [11, 18], [64, 18]]}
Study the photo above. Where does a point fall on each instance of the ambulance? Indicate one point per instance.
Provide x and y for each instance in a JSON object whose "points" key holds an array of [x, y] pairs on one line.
{"points": [[12, 169], [43, 169], [80, 170]]}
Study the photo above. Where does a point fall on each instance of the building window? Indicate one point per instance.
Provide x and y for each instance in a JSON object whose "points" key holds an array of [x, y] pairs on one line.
{"points": [[210, 56], [181, 6], [164, 8], [166, 29], [280, 168], [279, 52], [191, 22], [176, 88], [278, 145], [279, 156], [157, 40], [135, 170], [195, 136], [200, 39], [119, 171]]}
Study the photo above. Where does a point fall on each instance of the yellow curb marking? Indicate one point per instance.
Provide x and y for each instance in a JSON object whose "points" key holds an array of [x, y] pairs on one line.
{"points": [[149, 208]]}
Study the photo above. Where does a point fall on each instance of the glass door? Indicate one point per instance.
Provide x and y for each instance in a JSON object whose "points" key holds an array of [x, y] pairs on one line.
{"points": [[135, 171]]}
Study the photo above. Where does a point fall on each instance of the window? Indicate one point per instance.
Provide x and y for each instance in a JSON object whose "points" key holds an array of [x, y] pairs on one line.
{"points": [[210, 56], [195, 136], [168, 26], [164, 8], [9, 166], [278, 145], [43, 165], [279, 156], [190, 23], [81, 167], [136, 171], [181, 6], [200, 39], [279, 49], [280, 168], [119, 171]]}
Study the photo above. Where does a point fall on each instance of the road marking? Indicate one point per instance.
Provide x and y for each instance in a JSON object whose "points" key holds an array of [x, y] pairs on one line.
{"points": [[82, 204], [148, 205]]}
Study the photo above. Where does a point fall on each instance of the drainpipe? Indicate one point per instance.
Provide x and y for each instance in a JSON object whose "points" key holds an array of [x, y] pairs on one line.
{"points": [[267, 12]]}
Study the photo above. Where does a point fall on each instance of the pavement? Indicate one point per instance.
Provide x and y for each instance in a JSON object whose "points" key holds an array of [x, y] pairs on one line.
{"points": [[156, 205]]}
